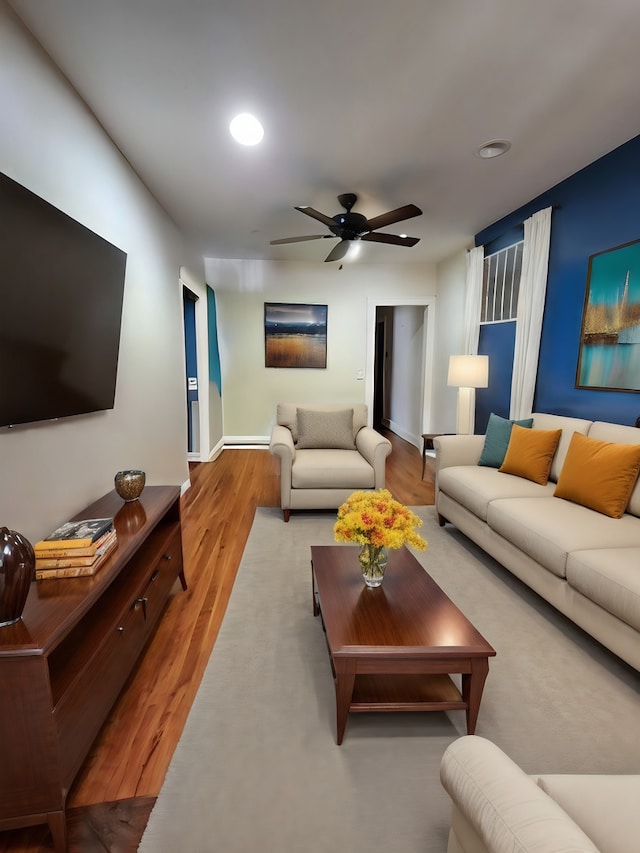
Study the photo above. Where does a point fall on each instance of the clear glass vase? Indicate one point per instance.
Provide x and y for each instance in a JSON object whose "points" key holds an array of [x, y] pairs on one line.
{"points": [[373, 562]]}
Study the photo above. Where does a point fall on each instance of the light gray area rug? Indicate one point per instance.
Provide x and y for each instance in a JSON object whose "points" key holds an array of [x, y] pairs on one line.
{"points": [[258, 768]]}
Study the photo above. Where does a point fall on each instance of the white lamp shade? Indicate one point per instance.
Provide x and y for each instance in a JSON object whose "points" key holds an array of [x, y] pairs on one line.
{"points": [[468, 371]]}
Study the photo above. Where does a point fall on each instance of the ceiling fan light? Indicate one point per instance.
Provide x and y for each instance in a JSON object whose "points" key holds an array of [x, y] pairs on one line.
{"points": [[246, 129], [355, 249], [495, 148]]}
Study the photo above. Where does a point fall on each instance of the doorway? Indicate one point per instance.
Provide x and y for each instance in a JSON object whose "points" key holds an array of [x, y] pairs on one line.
{"points": [[379, 385], [189, 300], [417, 391]]}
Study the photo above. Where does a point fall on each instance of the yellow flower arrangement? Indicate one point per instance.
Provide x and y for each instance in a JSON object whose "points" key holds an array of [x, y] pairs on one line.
{"points": [[376, 518]]}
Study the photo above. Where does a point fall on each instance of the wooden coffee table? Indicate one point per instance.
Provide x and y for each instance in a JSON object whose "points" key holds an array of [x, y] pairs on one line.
{"points": [[393, 648]]}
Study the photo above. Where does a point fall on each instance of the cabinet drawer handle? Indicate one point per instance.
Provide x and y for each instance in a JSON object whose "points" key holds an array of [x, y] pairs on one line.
{"points": [[167, 557], [154, 576], [140, 601], [120, 629]]}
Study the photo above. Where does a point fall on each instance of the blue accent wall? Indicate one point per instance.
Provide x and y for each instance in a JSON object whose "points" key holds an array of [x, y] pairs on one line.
{"points": [[596, 209], [497, 341], [191, 361], [215, 372]]}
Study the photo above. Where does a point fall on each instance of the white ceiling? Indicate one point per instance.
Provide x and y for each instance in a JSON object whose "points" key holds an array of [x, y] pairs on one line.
{"points": [[389, 100]]}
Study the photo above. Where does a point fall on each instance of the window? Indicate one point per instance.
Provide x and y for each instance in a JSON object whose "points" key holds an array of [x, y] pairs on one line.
{"points": [[501, 284]]}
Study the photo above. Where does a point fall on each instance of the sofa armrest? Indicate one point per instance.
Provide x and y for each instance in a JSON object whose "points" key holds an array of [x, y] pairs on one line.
{"points": [[281, 443], [457, 450], [374, 448], [504, 806], [282, 446]]}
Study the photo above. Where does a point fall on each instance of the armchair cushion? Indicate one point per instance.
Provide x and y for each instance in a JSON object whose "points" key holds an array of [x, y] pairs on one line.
{"points": [[331, 469], [287, 414], [325, 430]]}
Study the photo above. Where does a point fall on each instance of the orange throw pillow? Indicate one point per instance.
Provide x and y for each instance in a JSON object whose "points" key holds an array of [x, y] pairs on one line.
{"points": [[530, 453], [599, 474]]}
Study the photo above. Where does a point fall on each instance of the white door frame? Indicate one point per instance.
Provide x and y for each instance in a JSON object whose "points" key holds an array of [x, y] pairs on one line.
{"points": [[429, 303], [202, 358]]}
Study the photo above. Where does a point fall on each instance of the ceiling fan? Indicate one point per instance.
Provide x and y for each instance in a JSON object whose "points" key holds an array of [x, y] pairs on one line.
{"points": [[354, 226]]}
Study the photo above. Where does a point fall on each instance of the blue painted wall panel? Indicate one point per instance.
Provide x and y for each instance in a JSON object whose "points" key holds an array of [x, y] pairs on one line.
{"points": [[215, 371], [496, 341], [598, 208]]}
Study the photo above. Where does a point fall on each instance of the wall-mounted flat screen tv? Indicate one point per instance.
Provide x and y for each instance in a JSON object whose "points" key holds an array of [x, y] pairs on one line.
{"points": [[61, 292]]}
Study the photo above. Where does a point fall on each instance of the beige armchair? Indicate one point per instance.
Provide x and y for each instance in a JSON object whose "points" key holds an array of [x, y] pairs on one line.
{"points": [[326, 452]]}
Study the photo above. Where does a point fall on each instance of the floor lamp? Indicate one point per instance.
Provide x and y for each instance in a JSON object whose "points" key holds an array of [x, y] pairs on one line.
{"points": [[466, 373]]}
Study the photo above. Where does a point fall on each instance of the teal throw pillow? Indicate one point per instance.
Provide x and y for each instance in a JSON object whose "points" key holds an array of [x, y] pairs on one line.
{"points": [[497, 438]]}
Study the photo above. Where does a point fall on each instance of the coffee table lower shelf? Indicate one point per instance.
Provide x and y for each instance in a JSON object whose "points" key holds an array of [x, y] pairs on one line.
{"points": [[405, 693]]}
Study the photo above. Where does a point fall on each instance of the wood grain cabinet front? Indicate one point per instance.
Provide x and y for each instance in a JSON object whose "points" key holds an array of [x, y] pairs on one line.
{"points": [[63, 666]]}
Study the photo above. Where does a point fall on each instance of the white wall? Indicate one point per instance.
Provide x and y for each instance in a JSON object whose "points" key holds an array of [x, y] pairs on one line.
{"points": [[251, 391], [52, 144], [407, 387], [449, 338]]}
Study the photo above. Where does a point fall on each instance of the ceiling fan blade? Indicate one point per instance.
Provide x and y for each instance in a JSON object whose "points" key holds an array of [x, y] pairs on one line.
{"points": [[393, 239], [298, 239], [397, 215], [321, 217], [339, 251]]}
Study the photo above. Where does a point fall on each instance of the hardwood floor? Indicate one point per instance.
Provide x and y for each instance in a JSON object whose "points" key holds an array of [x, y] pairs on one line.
{"points": [[110, 801]]}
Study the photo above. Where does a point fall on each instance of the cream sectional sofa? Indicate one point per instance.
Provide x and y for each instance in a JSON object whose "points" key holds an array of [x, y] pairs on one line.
{"points": [[585, 563], [498, 808]]}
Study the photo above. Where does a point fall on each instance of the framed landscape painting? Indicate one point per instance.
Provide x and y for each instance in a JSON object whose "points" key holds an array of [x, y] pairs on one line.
{"points": [[295, 335], [609, 357]]}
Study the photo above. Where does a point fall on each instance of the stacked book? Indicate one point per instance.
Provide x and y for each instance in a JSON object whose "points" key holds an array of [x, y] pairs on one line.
{"points": [[75, 549]]}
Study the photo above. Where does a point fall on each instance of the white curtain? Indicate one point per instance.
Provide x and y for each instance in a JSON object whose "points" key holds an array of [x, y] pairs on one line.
{"points": [[473, 300], [472, 307], [533, 288]]}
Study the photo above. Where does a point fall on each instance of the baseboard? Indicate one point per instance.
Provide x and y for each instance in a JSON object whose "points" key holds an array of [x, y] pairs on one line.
{"points": [[216, 450], [259, 441], [416, 440]]}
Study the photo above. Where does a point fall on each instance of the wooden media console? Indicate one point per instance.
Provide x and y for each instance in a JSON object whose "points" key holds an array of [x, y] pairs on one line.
{"points": [[64, 664]]}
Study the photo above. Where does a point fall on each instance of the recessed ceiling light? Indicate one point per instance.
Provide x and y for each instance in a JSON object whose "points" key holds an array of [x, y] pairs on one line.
{"points": [[246, 129], [493, 149]]}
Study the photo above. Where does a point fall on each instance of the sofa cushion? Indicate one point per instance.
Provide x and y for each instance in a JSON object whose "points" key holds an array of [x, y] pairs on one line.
{"points": [[331, 469], [496, 439], [599, 474], [548, 529], [621, 435], [287, 414], [609, 577], [604, 807], [325, 429], [530, 453], [568, 427], [475, 487]]}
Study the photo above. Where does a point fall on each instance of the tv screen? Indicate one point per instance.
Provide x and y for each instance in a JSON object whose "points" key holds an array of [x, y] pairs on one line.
{"points": [[61, 292]]}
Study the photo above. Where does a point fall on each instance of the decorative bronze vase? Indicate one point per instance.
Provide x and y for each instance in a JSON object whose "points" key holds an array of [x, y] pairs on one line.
{"points": [[129, 484], [17, 562], [373, 562]]}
